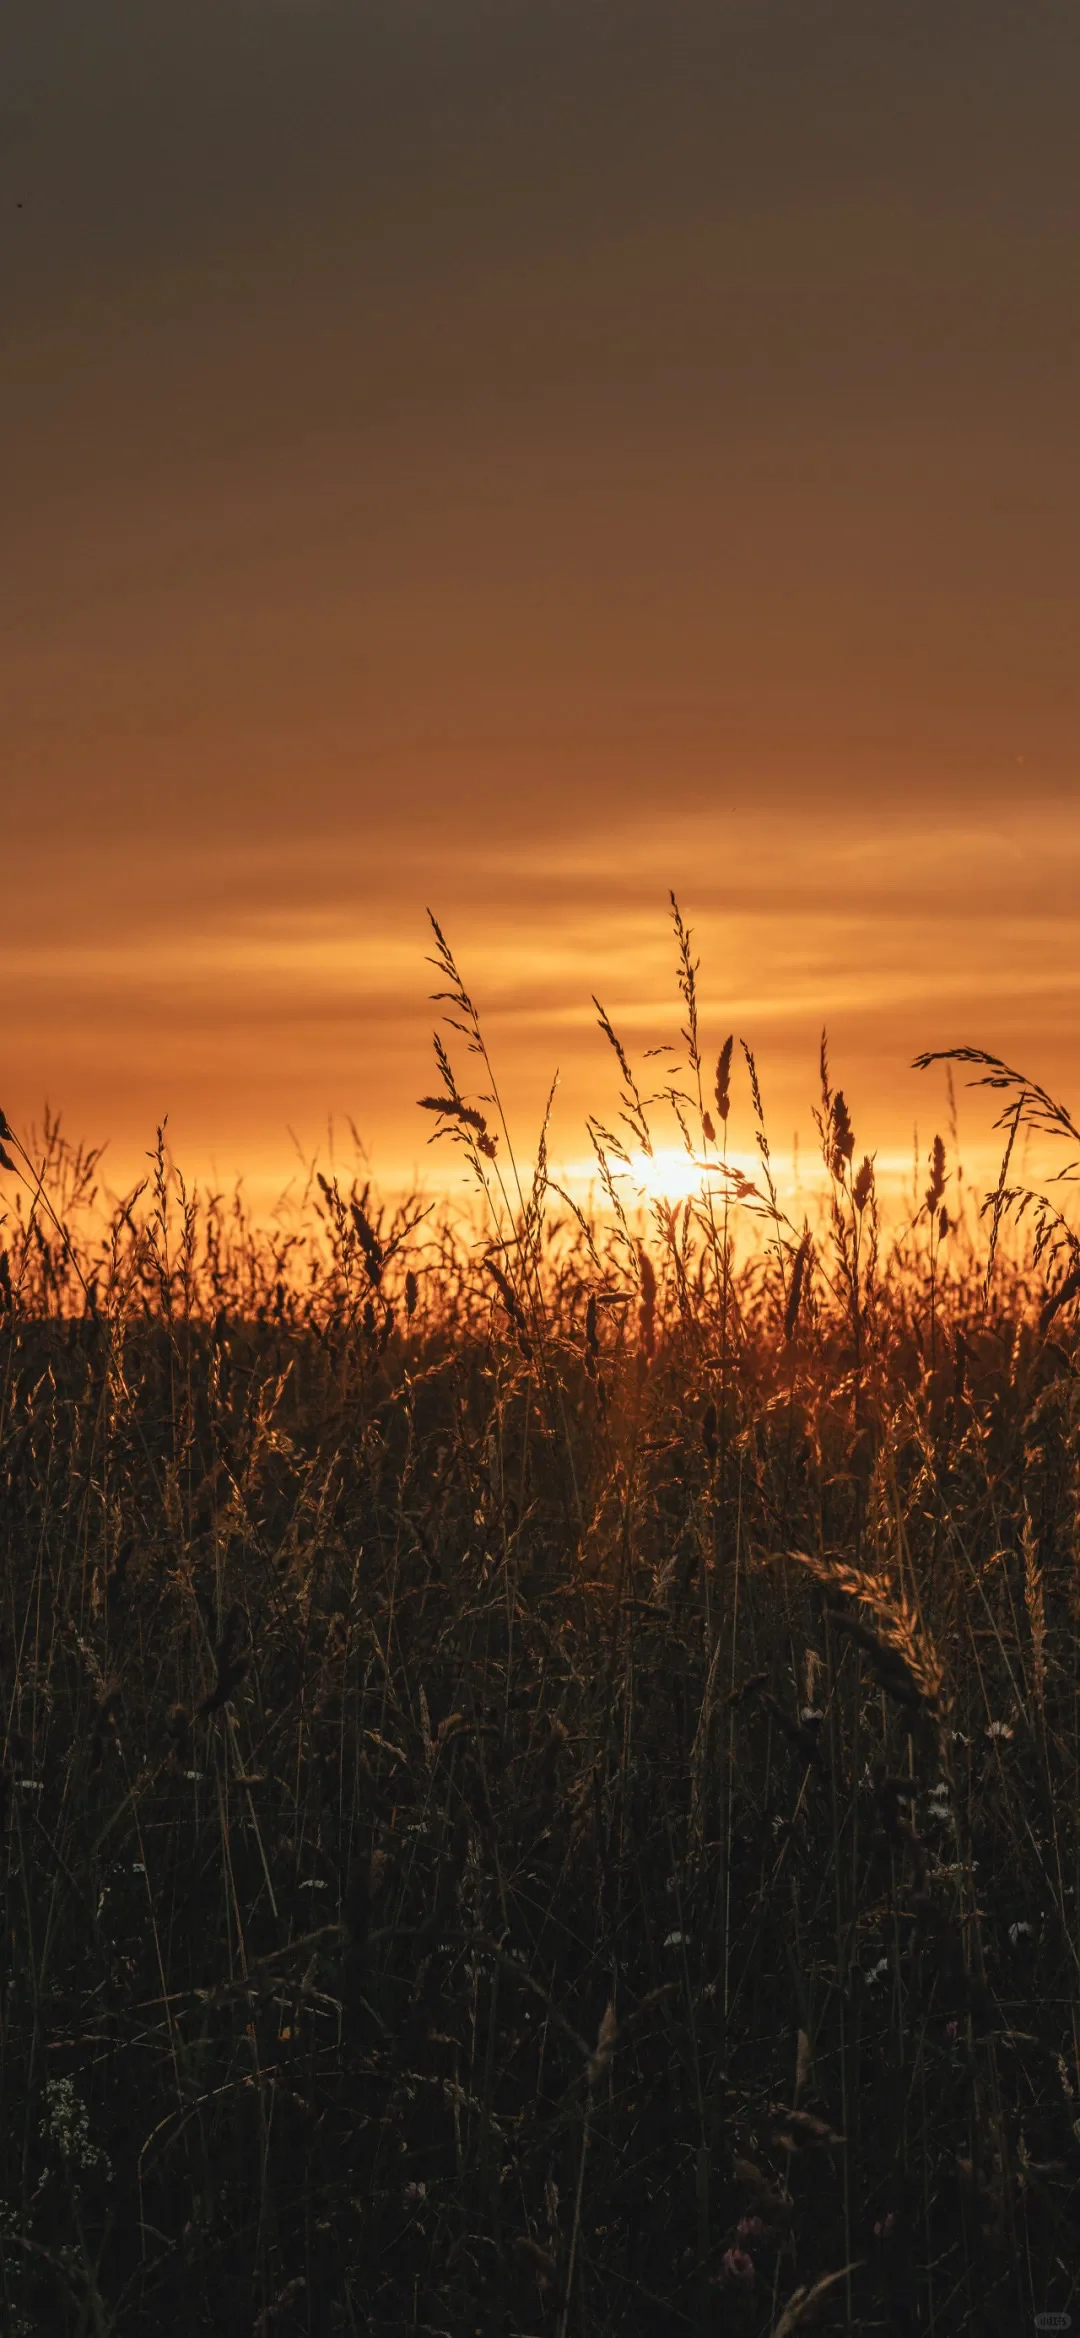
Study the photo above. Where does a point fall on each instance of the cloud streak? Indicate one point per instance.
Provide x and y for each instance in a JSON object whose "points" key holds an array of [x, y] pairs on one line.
{"points": [[520, 461]]}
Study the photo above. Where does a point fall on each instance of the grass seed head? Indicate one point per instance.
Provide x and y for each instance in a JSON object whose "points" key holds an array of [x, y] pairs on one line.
{"points": [[723, 1079]]}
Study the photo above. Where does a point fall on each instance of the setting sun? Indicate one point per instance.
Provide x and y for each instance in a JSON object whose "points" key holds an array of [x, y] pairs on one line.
{"points": [[671, 1174], [539, 1318]]}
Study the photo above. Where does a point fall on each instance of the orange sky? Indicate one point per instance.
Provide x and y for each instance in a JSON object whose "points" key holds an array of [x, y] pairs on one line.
{"points": [[520, 458]]}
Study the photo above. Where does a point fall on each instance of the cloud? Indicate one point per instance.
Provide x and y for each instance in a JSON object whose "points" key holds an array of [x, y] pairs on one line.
{"points": [[516, 461]]}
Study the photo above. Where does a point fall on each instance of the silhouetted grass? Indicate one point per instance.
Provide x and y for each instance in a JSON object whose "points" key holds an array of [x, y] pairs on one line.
{"points": [[542, 1768]]}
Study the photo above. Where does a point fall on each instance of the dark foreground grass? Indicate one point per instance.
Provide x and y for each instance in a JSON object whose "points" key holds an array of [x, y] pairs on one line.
{"points": [[542, 1778]]}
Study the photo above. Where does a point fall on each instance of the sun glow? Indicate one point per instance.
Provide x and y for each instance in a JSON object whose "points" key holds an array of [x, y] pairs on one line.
{"points": [[668, 1174], [671, 1174]]}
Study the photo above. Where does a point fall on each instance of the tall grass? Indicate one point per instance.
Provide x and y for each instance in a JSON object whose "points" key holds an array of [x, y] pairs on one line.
{"points": [[542, 1768]]}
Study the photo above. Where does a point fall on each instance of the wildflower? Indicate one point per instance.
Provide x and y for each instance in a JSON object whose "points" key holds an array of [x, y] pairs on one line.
{"points": [[736, 2265], [1021, 1931], [67, 2124], [999, 1729], [877, 1972], [674, 1939]]}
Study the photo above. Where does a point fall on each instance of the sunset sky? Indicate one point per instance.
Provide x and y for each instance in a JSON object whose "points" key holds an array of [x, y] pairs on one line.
{"points": [[522, 457]]}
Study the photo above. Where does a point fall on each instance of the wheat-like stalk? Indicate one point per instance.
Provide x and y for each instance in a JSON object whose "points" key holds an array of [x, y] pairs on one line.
{"points": [[805, 2300], [902, 1654], [1036, 1609]]}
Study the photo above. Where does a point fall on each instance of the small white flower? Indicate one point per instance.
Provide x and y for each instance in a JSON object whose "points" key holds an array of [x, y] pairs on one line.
{"points": [[67, 2124], [877, 1972], [1021, 1931], [674, 1940], [313, 1883], [999, 1729], [811, 1716]]}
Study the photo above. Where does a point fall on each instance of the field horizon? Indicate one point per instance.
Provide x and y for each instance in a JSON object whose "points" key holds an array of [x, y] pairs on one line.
{"points": [[539, 1556], [277, 1182], [541, 1771]]}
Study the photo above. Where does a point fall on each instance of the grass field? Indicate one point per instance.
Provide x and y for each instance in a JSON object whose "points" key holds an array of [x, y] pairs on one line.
{"points": [[542, 1776]]}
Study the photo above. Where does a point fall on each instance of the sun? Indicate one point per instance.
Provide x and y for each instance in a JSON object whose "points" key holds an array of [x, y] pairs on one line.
{"points": [[672, 1175], [668, 1174]]}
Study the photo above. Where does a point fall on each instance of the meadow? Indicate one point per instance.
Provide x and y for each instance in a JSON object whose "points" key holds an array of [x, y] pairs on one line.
{"points": [[541, 1787]]}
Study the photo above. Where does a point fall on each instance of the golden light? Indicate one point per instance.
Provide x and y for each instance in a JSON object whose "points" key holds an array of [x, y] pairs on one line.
{"points": [[671, 1175], [668, 1174]]}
